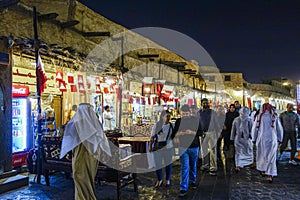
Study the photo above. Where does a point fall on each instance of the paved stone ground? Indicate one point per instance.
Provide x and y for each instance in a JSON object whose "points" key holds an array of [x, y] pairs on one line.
{"points": [[247, 184]]}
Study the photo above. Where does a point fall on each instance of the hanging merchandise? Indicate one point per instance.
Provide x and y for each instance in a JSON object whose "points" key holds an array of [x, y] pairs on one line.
{"points": [[143, 101]]}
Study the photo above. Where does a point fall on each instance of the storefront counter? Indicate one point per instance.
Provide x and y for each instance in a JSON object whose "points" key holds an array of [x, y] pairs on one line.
{"points": [[139, 145]]}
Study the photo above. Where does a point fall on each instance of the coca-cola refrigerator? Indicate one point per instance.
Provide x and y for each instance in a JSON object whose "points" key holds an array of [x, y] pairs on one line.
{"points": [[22, 138]]}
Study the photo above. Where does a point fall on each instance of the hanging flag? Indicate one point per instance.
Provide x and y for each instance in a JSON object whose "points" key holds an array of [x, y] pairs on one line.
{"points": [[81, 88], [106, 91], [88, 82], [98, 89], [62, 86], [59, 75], [70, 78], [73, 88], [41, 75], [97, 80], [80, 78]]}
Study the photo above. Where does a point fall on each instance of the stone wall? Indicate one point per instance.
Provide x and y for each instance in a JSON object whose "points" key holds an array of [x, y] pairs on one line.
{"points": [[5, 111]]}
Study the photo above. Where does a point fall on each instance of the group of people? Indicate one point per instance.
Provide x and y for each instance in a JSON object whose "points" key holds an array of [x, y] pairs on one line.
{"points": [[196, 134], [199, 134]]}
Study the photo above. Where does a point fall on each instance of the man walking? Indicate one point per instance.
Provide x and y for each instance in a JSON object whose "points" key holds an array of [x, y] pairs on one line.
{"points": [[186, 135], [211, 130], [289, 121]]}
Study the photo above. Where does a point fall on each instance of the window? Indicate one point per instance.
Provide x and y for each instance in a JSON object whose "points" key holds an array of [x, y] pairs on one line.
{"points": [[227, 78]]}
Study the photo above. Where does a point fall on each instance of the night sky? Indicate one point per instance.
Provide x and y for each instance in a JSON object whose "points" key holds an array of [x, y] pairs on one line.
{"points": [[259, 38]]}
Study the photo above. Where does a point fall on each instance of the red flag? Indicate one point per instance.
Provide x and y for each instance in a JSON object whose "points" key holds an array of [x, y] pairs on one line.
{"points": [[73, 88], [41, 75], [59, 75], [62, 86], [70, 78]]}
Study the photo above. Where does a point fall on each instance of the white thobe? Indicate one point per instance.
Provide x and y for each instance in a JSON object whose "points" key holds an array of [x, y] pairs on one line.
{"points": [[107, 117], [267, 138], [240, 133]]}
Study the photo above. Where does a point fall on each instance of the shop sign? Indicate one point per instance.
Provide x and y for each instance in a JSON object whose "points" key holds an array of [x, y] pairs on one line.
{"points": [[20, 90]]}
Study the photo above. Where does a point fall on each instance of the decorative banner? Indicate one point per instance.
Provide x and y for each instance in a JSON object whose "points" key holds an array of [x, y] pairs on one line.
{"points": [[71, 78], [106, 90], [88, 82], [98, 89], [59, 75], [154, 100], [81, 88], [62, 86], [97, 80], [147, 89], [159, 87], [80, 79], [73, 88]]}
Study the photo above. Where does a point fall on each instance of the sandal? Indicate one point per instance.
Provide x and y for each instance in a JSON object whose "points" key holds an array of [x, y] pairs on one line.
{"points": [[158, 184], [270, 179], [263, 174]]}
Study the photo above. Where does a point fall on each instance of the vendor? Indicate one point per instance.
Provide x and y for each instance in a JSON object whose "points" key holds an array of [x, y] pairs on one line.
{"points": [[107, 118]]}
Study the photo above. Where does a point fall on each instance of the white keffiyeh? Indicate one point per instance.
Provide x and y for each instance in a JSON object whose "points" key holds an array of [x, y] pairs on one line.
{"points": [[85, 128]]}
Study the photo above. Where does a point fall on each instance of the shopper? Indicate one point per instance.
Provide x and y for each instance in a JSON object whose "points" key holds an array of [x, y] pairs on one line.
{"points": [[186, 134], [211, 131], [230, 116], [266, 133], [163, 148], [289, 121], [85, 137], [241, 135]]}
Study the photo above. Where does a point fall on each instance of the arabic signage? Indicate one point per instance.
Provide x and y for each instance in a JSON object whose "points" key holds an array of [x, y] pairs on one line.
{"points": [[24, 76]]}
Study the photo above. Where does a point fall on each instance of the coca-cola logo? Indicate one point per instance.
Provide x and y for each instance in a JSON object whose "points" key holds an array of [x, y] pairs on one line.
{"points": [[18, 161], [19, 91]]}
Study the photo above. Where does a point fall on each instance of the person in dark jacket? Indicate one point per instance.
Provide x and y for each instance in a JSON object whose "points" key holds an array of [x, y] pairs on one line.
{"points": [[186, 136], [290, 122], [230, 116]]}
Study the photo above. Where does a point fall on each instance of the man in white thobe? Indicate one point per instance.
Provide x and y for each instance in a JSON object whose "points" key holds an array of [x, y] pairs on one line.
{"points": [[84, 135], [266, 133]]}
